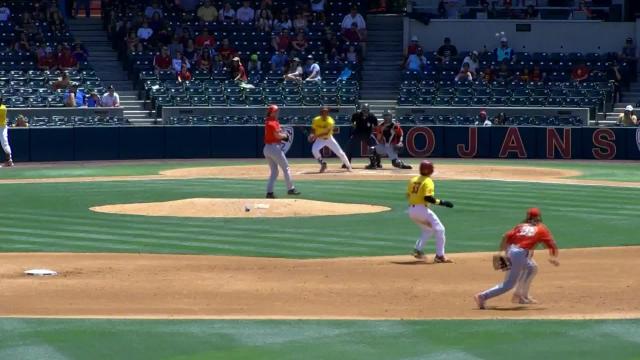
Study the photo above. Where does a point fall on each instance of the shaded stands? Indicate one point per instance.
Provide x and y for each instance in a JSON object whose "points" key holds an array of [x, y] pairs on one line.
{"points": [[246, 120], [468, 120]]}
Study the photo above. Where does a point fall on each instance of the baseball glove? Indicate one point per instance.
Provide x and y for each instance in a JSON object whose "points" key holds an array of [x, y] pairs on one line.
{"points": [[311, 138], [501, 262]]}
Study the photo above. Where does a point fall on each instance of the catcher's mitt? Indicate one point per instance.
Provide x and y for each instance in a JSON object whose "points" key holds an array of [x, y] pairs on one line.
{"points": [[501, 262]]}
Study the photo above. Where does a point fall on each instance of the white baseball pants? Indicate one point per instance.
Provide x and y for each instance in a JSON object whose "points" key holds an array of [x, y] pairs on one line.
{"points": [[332, 144], [430, 224], [4, 141]]}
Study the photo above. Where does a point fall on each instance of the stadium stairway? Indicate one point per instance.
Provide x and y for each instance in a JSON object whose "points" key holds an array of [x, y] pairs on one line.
{"points": [[104, 61], [382, 75], [630, 97]]}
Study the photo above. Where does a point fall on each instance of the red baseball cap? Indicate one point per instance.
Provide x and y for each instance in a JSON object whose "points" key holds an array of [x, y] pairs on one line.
{"points": [[533, 213]]}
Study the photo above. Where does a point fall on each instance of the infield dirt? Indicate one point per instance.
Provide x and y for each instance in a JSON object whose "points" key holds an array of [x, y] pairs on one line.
{"points": [[587, 284]]}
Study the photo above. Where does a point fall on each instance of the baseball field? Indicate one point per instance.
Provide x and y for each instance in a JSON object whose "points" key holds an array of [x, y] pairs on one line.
{"points": [[187, 260]]}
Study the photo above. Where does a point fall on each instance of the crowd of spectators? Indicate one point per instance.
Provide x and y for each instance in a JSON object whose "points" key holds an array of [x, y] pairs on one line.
{"points": [[186, 42]]}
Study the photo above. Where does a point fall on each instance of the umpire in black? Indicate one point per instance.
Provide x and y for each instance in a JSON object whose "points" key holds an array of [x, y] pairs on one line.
{"points": [[362, 124]]}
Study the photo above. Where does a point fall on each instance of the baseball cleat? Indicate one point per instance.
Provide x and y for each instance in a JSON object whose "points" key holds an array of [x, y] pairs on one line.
{"points": [[479, 301], [293, 192], [270, 196], [344, 166], [418, 254], [371, 167], [8, 163], [406, 167], [442, 260], [323, 167]]}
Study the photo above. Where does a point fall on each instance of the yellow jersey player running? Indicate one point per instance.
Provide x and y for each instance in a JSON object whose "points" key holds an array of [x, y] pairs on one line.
{"points": [[420, 192], [4, 135], [322, 127]]}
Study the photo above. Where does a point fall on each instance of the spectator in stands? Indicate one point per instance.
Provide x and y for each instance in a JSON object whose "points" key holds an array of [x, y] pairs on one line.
{"points": [[264, 23], [22, 44], [312, 70], [355, 17], [245, 14], [628, 117], [5, 12], [144, 32], [531, 13], [525, 75], [207, 12], [295, 72], [317, 6], [629, 54], [93, 100], [226, 52], [416, 62], [162, 61], [483, 119], [351, 56], [190, 50], [413, 46], [615, 79], [504, 52], [205, 39], [21, 121], [446, 51], [282, 22], [177, 62], [584, 8], [175, 46], [132, 41], [66, 61], [279, 60], [264, 11], [254, 64], [488, 74], [86, 4], [74, 97], [110, 98], [300, 43], [26, 24], [205, 61], [504, 74], [474, 62], [465, 73], [227, 14], [330, 45], [500, 119], [352, 35], [156, 23], [282, 41], [300, 23], [152, 9], [184, 74], [580, 72], [80, 53], [536, 74], [63, 83], [237, 70], [49, 62]]}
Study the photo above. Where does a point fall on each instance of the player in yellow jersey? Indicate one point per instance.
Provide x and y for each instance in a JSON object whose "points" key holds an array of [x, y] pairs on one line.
{"points": [[421, 193], [4, 135], [322, 127]]}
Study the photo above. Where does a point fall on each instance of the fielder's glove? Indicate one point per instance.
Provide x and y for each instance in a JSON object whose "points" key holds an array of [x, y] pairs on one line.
{"points": [[446, 203], [501, 262], [285, 138]]}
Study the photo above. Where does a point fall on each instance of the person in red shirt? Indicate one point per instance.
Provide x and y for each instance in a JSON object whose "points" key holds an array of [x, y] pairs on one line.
{"points": [[66, 61], [184, 74], [519, 244], [205, 39], [580, 72], [281, 41], [226, 52], [47, 61], [162, 61], [276, 143], [237, 69]]}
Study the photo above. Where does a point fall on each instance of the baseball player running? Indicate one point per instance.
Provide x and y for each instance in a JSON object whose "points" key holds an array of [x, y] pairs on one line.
{"points": [[519, 243], [322, 127], [420, 192], [389, 141], [363, 123], [4, 136], [273, 137]]}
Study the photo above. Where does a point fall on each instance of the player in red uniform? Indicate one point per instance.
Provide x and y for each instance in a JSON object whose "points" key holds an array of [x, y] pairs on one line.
{"points": [[519, 244], [273, 152]]}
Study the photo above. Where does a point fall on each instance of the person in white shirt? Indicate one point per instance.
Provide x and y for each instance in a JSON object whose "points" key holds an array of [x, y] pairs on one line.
{"points": [[111, 98], [312, 69], [473, 61], [145, 32], [245, 14], [5, 13], [295, 72], [353, 17], [483, 119], [177, 61], [317, 6], [227, 14]]}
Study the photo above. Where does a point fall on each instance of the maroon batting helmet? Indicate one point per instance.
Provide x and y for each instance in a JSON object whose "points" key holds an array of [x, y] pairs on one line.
{"points": [[426, 168]]}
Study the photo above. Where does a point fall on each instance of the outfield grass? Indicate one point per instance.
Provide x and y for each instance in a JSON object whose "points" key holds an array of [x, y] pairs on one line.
{"points": [[182, 339], [56, 217]]}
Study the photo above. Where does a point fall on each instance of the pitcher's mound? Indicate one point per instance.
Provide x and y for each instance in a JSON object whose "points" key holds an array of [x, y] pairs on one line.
{"points": [[239, 208]]}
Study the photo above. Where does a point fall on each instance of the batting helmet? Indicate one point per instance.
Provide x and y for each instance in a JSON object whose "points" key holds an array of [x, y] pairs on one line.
{"points": [[271, 109], [426, 168]]}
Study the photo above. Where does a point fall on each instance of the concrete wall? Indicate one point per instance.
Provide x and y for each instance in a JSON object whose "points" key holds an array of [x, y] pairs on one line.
{"points": [[12, 113], [545, 35]]}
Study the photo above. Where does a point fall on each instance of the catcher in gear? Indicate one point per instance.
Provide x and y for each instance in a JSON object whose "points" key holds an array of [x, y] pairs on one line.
{"points": [[519, 244], [421, 193], [389, 141]]}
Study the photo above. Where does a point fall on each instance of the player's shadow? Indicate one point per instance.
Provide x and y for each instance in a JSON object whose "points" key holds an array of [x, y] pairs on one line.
{"points": [[411, 262], [516, 308]]}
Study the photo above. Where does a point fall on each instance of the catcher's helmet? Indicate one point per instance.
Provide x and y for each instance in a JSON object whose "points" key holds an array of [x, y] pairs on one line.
{"points": [[426, 168], [271, 109]]}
